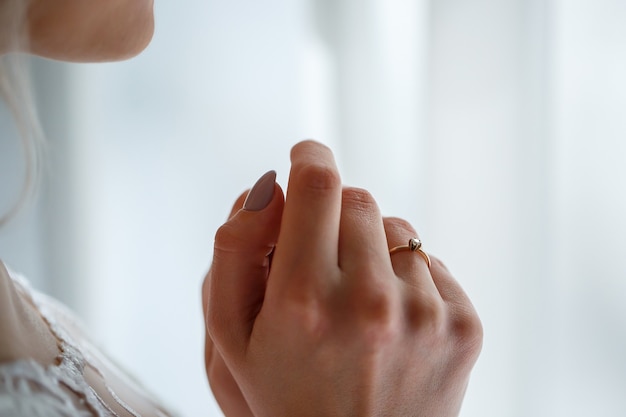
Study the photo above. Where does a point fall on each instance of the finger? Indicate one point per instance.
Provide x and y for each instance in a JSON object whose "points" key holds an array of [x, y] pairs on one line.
{"points": [[467, 326], [310, 226], [450, 290], [362, 240], [225, 389], [238, 205], [235, 285], [410, 266]]}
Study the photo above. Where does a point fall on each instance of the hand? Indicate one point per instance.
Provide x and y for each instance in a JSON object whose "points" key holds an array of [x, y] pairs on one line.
{"points": [[336, 326]]}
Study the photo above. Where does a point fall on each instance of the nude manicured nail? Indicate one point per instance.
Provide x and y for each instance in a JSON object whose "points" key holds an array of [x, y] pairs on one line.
{"points": [[261, 193]]}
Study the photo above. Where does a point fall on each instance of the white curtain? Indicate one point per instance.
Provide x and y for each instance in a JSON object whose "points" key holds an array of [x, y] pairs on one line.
{"points": [[497, 127]]}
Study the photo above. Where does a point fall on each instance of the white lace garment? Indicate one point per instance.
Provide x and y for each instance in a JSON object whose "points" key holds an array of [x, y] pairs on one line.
{"points": [[29, 389]]}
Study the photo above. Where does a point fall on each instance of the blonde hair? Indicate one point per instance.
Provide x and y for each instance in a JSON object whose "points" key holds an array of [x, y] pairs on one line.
{"points": [[15, 90]]}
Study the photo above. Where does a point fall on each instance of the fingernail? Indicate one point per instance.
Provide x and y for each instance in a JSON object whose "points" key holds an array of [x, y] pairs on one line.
{"points": [[261, 194]]}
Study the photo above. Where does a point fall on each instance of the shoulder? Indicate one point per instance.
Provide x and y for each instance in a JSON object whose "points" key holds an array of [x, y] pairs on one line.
{"points": [[23, 333], [8, 300], [8, 293], [5, 278]]}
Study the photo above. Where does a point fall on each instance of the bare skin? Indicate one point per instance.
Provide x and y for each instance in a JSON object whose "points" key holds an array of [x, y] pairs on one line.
{"points": [[70, 30], [74, 30], [20, 320], [336, 327], [83, 30], [26, 336]]}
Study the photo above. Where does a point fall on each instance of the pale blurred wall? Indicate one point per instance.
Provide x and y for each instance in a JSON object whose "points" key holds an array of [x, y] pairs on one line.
{"points": [[496, 127]]}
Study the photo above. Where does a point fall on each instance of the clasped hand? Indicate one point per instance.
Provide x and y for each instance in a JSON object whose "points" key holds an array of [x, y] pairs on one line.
{"points": [[307, 314]]}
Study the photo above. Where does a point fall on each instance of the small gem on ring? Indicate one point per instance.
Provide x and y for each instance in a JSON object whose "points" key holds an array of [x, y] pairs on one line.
{"points": [[415, 244]]}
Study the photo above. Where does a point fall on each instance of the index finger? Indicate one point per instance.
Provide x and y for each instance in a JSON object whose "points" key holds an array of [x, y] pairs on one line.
{"points": [[309, 234]]}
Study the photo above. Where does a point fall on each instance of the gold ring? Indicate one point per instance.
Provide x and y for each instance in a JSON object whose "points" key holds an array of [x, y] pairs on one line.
{"points": [[415, 245]]}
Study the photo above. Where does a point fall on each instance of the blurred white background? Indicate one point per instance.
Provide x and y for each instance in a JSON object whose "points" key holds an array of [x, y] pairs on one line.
{"points": [[497, 127]]}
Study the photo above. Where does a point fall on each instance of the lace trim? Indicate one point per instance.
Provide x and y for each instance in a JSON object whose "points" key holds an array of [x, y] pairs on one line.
{"points": [[30, 389]]}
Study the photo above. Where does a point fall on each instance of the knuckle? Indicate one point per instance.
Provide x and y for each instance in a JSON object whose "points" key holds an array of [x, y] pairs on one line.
{"points": [[226, 237], [359, 200], [318, 177], [306, 314], [425, 312], [468, 331], [396, 224], [376, 307], [304, 304], [376, 316]]}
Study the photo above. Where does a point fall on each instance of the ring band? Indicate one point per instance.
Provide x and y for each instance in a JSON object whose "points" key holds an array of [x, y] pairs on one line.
{"points": [[415, 245]]}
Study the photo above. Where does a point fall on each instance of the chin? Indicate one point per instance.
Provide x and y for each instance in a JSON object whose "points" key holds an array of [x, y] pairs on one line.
{"points": [[88, 31], [136, 39]]}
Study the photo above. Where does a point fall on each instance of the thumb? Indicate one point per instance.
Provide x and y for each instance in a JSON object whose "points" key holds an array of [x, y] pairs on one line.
{"points": [[234, 288]]}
